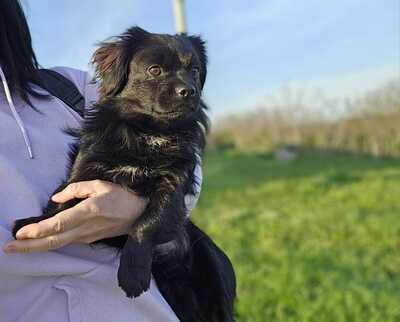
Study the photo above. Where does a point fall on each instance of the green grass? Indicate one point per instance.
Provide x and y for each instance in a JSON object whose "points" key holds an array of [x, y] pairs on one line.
{"points": [[315, 239]]}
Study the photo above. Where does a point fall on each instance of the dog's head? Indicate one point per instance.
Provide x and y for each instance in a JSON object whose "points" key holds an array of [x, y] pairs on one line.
{"points": [[165, 74]]}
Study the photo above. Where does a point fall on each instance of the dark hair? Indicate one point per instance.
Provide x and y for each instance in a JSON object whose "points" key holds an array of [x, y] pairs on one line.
{"points": [[17, 58]]}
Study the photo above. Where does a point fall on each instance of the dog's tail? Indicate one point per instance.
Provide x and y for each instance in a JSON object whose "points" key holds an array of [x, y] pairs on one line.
{"points": [[201, 286]]}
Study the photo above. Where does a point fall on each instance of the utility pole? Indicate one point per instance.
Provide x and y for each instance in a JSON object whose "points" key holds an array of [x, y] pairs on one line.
{"points": [[179, 12]]}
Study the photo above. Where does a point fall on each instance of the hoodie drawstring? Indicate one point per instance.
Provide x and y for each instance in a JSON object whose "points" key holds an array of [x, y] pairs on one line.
{"points": [[15, 114]]}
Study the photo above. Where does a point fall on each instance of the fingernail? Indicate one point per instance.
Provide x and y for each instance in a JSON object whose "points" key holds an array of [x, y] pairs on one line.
{"points": [[9, 248], [21, 235], [55, 197]]}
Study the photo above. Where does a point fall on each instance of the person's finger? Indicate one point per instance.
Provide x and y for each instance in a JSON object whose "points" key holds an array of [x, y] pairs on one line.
{"points": [[61, 222], [41, 244], [82, 189]]}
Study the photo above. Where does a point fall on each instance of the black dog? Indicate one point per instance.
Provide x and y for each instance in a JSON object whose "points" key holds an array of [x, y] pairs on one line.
{"points": [[145, 134]]}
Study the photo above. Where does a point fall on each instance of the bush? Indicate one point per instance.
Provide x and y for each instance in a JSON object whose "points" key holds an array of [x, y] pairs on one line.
{"points": [[369, 125]]}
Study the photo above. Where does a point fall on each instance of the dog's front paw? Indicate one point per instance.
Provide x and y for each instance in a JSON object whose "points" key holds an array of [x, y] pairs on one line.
{"points": [[18, 224], [134, 280], [134, 272]]}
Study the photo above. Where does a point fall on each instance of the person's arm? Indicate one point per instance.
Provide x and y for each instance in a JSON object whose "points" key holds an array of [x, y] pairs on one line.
{"points": [[108, 211], [191, 200]]}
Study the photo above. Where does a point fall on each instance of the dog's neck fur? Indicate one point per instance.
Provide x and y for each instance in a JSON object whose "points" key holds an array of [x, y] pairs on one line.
{"points": [[130, 110], [140, 132]]}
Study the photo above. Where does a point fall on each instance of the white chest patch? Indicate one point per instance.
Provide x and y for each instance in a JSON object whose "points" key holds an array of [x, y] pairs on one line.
{"points": [[157, 141]]}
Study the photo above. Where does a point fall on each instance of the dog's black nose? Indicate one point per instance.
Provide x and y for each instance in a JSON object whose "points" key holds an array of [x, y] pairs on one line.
{"points": [[185, 91]]}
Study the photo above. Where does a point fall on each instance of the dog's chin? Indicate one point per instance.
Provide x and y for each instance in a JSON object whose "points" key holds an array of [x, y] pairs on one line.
{"points": [[176, 114], [168, 114]]}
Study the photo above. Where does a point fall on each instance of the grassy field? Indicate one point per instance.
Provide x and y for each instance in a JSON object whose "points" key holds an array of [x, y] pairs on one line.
{"points": [[316, 239]]}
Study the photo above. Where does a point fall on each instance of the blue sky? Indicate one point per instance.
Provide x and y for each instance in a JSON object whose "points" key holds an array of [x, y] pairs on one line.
{"points": [[343, 47]]}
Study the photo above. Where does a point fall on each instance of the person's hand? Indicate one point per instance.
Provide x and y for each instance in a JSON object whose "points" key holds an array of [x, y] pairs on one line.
{"points": [[108, 211]]}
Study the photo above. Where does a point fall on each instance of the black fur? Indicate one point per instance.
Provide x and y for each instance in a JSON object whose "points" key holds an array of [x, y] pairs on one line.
{"points": [[145, 134]]}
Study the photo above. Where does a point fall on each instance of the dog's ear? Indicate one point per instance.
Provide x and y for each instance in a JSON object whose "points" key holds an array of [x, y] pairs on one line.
{"points": [[112, 59], [200, 47]]}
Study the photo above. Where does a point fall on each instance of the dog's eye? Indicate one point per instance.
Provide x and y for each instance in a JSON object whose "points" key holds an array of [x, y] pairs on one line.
{"points": [[196, 71], [154, 70]]}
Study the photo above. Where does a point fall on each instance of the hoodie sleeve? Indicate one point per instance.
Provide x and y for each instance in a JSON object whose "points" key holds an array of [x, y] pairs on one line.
{"points": [[191, 200]]}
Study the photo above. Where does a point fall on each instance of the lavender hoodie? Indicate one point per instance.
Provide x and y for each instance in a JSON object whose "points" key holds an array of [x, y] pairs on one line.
{"points": [[76, 283]]}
